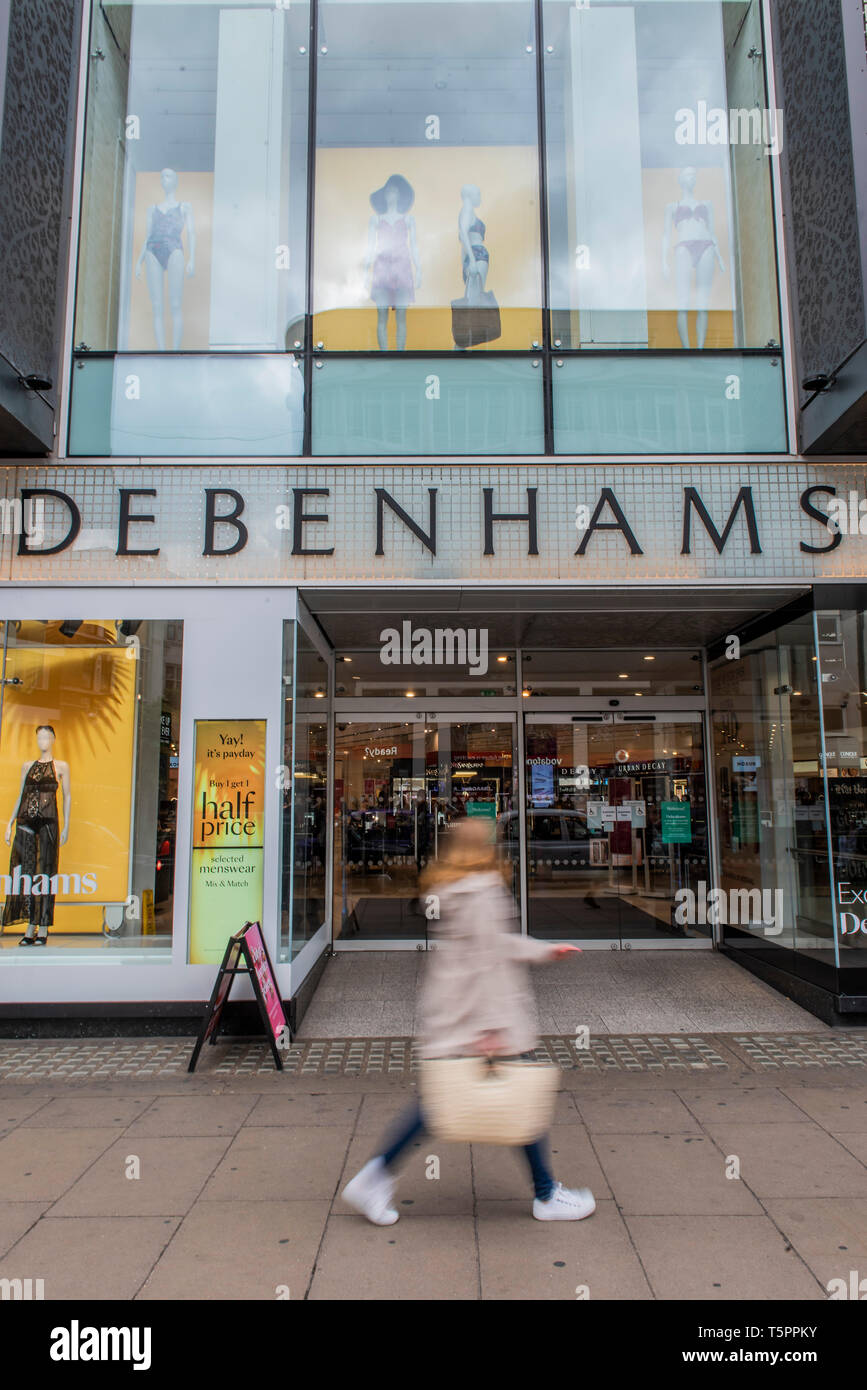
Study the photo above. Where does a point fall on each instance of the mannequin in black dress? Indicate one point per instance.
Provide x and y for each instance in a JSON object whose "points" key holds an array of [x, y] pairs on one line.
{"points": [[38, 837]]}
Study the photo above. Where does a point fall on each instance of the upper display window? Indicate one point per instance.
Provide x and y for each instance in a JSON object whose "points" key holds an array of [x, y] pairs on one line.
{"points": [[427, 176], [194, 198], [660, 144]]}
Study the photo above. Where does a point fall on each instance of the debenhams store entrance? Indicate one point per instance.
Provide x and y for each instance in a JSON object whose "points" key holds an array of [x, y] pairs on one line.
{"points": [[589, 762]]}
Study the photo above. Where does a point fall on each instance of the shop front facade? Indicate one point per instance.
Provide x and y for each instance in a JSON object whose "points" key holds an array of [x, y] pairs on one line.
{"points": [[668, 759], [427, 447]]}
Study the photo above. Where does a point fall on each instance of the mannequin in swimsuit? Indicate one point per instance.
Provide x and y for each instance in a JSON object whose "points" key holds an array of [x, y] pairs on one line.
{"points": [[471, 233], [37, 841], [689, 228], [163, 255], [392, 257]]}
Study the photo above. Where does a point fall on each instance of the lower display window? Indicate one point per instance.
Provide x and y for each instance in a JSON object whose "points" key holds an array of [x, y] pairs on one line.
{"points": [[89, 728]]}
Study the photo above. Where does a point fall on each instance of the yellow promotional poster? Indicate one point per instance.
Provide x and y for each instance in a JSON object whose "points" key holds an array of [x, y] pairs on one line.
{"points": [[228, 833], [503, 223], [87, 695]]}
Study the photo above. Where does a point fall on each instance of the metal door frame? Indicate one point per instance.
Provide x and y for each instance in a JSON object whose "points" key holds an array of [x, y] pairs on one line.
{"points": [[347, 711], [696, 707]]}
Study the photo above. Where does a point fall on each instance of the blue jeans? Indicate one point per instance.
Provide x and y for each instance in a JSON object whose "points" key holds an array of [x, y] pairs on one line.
{"points": [[411, 1125]]}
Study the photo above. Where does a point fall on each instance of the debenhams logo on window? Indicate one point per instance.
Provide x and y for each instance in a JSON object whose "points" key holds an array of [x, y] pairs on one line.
{"points": [[17, 884], [439, 646]]}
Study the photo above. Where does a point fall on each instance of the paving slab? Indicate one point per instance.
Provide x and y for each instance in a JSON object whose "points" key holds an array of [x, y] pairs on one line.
{"points": [[14, 1110], [663, 1112], [85, 1112], [89, 1257], [429, 1259], [173, 1172], [192, 1115], [834, 1107], [741, 1104], [300, 1110], [268, 1163], [16, 1218], [37, 1163], [671, 1175], [719, 1257], [240, 1250], [521, 1258], [783, 1160]]}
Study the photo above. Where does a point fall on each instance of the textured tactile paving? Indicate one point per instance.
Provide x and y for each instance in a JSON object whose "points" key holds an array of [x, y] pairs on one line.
{"points": [[647, 1052]]}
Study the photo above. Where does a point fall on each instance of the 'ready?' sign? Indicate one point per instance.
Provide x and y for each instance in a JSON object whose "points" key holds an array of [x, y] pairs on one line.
{"points": [[228, 832], [246, 954]]}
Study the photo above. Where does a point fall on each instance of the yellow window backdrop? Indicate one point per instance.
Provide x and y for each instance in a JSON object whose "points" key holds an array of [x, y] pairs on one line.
{"points": [[506, 176], [88, 695]]}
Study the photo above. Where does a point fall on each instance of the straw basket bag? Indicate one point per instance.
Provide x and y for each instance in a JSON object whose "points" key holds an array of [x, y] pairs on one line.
{"points": [[468, 1100]]}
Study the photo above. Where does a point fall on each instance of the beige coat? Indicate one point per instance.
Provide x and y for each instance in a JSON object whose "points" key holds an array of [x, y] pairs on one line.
{"points": [[477, 978]]}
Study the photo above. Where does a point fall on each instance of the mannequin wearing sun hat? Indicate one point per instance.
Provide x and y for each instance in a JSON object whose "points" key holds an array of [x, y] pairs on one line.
{"points": [[392, 257]]}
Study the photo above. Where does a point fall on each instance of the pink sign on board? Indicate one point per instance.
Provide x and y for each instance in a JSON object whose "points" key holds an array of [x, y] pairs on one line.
{"points": [[267, 983]]}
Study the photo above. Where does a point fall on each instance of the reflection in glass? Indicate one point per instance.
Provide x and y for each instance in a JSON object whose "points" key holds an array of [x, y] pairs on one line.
{"points": [[770, 795], [399, 788], [659, 146], [435, 405], [194, 191], [305, 790], [616, 825], [439, 117]]}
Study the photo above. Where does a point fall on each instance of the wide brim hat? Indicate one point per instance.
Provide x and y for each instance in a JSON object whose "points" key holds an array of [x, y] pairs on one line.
{"points": [[405, 194]]}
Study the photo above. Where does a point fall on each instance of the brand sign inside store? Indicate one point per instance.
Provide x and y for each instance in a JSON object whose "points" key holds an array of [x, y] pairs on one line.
{"points": [[440, 521]]}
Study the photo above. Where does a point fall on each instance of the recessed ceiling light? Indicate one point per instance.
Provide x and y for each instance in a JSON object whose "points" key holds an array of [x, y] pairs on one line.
{"points": [[502, 658], [650, 658], [410, 694], [623, 676], [525, 693]]}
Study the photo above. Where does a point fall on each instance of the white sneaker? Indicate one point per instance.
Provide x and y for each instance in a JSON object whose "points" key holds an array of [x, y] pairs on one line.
{"points": [[565, 1204], [370, 1193]]}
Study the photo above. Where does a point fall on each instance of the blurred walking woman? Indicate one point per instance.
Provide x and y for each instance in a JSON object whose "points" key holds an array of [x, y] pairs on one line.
{"points": [[476, 999]]}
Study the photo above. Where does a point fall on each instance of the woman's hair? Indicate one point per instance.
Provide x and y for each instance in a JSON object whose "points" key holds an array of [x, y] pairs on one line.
{"points": [[48, 727], [468, 848]]}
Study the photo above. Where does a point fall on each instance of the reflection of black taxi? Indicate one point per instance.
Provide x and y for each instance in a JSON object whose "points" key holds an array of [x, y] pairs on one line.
{"points": [[558, 840]]}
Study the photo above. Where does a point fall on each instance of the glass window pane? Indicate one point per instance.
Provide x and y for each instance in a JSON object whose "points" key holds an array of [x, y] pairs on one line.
{"points": [[194, 191], [659, 146], [711, 404], [842, 635], [400, 786], [437, 406], [89, 785], [586, 672], [427, 205], [454, 671], [771, 802], [602, 862], [190, 405]]}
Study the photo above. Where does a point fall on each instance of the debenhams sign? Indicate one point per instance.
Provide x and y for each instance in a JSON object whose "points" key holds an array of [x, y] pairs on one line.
{"points": [[472, 521]]}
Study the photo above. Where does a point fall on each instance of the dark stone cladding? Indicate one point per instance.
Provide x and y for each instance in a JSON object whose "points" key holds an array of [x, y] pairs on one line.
{"points": [[35, 164], [819, 184]]}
